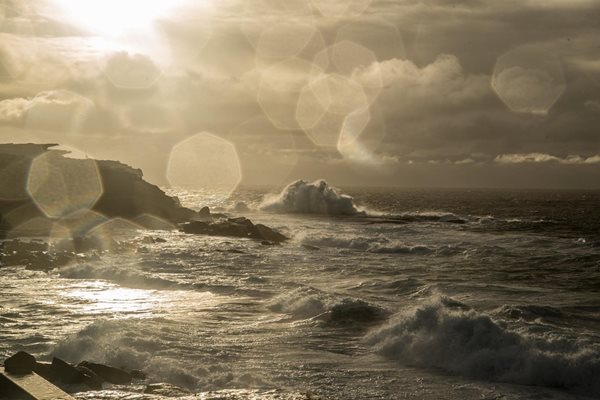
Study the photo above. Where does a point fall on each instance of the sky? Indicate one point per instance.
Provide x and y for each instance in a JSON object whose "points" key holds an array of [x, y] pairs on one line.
{"points": [[412, 93]]}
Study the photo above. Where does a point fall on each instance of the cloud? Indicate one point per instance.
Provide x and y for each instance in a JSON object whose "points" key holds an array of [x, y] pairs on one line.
{"points": [[546, 158], [12, 111]]}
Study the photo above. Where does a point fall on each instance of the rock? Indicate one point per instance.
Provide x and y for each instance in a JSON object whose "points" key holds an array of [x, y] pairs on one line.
{"points": [[204, 213], [160, 240], [137, 374], [125, 193], [107, 373], [269, 234], [91, 378], [267, 243], [66, 372], [234, 227], [20, 363], [166, 389]]}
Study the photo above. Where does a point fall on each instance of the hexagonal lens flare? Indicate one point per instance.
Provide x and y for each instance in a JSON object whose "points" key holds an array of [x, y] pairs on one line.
{"points": [[205, 162], [529, 80], [61, 186], [280, 88]]}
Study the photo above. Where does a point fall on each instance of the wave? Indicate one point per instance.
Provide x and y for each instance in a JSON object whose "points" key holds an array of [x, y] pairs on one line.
{"points": [[137, 344], [375, 244], [318, 197], [127, 276], [442, 335], [310, 303]]}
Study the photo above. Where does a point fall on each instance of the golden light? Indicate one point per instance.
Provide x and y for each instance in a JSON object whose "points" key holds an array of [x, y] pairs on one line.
{"points": [[111, 18]]}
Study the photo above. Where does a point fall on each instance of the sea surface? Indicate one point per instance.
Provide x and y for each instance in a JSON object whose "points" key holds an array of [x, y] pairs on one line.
{"points": [[421, 294]]}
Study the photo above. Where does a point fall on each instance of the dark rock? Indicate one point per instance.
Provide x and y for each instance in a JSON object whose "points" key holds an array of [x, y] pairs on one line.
{"points": [[46, 371], [137, 374], [267, 243], [109, 374], [160, 240], [92, 380], [65, 372], [125, 193], [166, 389], [204, 213], [20, 363], [234, 227], [264, 232]]}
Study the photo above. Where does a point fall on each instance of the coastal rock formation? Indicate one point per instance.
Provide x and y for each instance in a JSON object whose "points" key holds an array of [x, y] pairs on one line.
{"points": [[121, 190], [235, 227], [80, 202], [84, 376]]}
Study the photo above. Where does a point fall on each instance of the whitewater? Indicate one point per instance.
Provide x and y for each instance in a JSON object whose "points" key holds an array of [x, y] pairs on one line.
{"points": [[378, 294]]}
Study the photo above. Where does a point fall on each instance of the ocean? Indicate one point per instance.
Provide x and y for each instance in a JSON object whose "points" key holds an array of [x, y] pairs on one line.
{"points": [[414, 294]]}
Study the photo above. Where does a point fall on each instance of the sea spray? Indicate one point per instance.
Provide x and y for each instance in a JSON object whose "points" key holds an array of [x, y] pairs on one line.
{"points": [[318, 197], [444, 335]]}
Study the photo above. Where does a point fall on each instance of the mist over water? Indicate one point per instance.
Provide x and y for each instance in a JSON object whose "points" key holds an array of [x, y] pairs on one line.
{"points": [[429, 294]]}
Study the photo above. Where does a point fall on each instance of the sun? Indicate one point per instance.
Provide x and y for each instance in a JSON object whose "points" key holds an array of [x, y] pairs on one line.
{"points": [[114, 18]]}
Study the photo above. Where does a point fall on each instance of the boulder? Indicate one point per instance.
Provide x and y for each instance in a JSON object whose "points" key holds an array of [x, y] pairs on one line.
{"points": [[107, 373], [20, 363], [67, 373], [234, 227]]}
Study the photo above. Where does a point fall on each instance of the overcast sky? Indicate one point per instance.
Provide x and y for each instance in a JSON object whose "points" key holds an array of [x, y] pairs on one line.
{"points": [[463, 93]]}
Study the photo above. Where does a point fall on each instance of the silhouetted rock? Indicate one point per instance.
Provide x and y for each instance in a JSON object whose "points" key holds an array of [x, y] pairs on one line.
{"points": [[67, 373], [125, 193], [107, 373], [204, 213], [20, 363], [137, 374], [234, 227]]}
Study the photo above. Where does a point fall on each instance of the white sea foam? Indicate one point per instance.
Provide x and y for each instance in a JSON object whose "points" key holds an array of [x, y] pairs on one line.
{"points": [[441, 335], [318, 197], [375, 244], [308, 303]]}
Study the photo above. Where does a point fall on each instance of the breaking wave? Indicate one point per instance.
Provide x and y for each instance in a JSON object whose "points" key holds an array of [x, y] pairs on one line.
{"points": [[375, 244], [443, 335], [310, 303], [318, 197], [137, 344]]}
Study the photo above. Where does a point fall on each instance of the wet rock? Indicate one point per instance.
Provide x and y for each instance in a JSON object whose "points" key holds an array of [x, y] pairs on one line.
{"points": [[166, 389], [204, 213], [125, 193], [20, 363], [65, 371], [137, 374], [234, 227], [107, 373], [264, 232]]}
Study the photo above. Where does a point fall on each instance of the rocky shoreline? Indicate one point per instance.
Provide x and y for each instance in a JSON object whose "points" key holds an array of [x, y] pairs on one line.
{"points": [[39, 237], [84, 376]]}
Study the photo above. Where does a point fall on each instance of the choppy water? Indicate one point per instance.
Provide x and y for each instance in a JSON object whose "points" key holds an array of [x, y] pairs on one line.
{"points": [[404, 302]]}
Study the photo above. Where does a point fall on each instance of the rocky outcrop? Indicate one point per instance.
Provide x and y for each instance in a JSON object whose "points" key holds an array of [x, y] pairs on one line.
{"points": [[84, 376], [124, 192], [234, 227], [107, 373]]}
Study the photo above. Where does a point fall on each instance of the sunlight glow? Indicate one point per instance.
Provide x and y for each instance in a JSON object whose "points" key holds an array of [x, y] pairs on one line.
{"points": [[115, 17]]}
